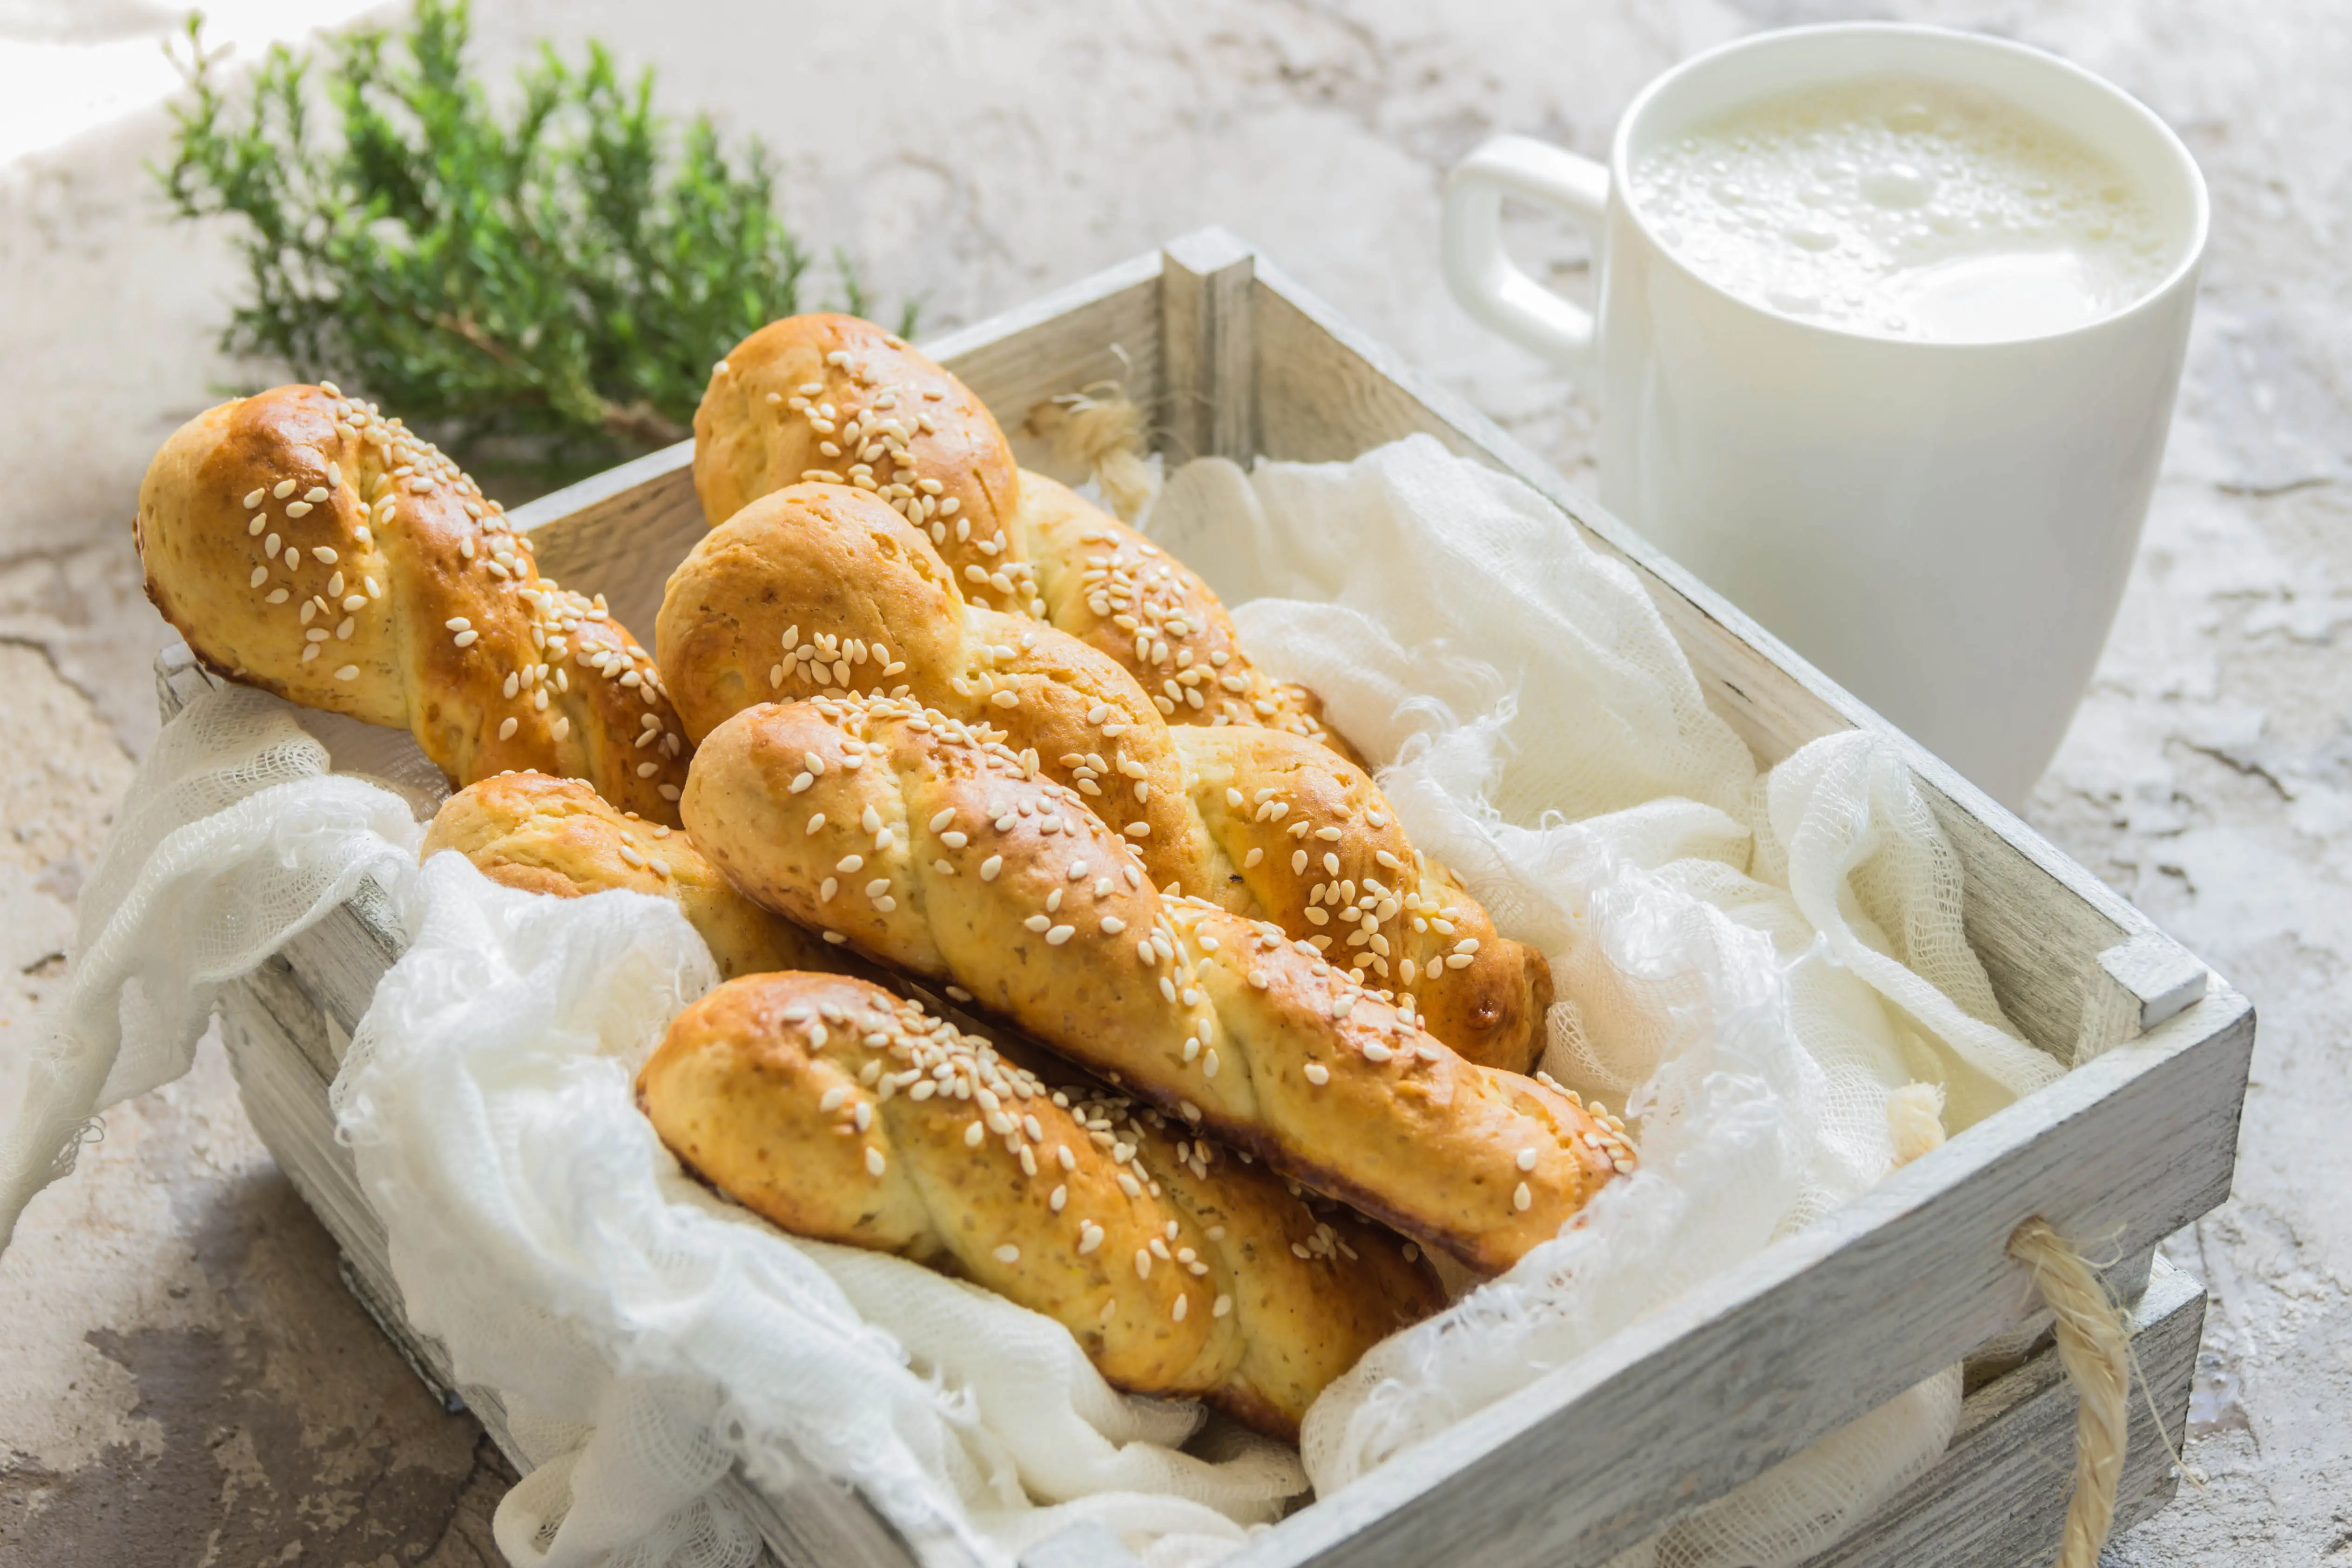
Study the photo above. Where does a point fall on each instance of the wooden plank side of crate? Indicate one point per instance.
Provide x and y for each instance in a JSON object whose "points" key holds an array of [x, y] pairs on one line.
{"points": [[2018, 1422], [1101, 329], [619, 533], [1756, 1363], [2040, 922], [1998, 1497], [809, 1522]]}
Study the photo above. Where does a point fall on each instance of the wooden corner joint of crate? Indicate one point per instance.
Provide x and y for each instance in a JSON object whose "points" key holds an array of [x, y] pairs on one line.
{"points": [[2135, 985]]}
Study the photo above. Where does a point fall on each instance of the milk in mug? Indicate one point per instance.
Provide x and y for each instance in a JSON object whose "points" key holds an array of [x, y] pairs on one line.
{"points": [[1905, 208]]}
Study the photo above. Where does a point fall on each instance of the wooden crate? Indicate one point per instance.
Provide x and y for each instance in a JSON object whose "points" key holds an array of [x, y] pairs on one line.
{"points": [[1591, 1458]]}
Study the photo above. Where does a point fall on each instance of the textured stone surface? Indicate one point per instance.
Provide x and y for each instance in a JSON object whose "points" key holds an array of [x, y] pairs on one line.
{"points": [[182, 1378]]}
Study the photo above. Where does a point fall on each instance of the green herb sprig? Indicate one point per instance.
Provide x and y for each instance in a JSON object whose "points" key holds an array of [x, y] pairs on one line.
{"points": [[562, 274]]}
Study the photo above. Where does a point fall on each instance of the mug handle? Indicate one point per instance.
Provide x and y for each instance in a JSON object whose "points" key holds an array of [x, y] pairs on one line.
{"points": [[1486, 282]]}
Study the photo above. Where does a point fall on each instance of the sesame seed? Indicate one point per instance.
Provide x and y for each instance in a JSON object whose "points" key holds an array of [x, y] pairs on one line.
{"points": [[348, 673], [874, 1164], [507, 729], [1008, 1253], [1526, 1159], [1521, 1198]]}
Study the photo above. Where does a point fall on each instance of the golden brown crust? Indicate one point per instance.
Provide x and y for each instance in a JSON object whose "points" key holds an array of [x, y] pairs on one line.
{"points": [[841, 1112], [305, 546], [815, 397], [820, 587], [1111, 587], [1322, 855], [938, 853], [897, 422], [816, 587], [557, 836]]}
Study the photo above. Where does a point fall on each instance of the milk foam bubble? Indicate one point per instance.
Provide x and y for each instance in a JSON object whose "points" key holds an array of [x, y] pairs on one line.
{"points": [[1905, 208]]}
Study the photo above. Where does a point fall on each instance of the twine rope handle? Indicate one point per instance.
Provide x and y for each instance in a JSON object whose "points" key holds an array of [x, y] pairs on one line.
{"points": [[1101, 431], [2095, 1349]]}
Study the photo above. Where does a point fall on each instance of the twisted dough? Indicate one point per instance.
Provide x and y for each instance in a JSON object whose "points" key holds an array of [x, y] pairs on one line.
{"points": [[832, 399], [841, 1112], [934, 848], [820, 587], [305, 546], [556, 836]]}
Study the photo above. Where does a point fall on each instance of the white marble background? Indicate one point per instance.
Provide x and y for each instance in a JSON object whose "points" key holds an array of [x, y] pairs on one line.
{"points": [[181, 1380]]}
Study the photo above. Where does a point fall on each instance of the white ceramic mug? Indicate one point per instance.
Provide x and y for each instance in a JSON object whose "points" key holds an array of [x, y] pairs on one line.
{"points": [[1946, 529]]}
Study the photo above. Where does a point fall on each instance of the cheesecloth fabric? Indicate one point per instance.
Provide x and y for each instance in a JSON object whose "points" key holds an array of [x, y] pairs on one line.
{"points": [[1765, 972]]}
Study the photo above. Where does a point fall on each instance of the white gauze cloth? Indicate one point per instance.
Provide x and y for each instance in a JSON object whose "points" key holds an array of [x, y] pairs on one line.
{"points": [[1768, 973], [643, 1337]]}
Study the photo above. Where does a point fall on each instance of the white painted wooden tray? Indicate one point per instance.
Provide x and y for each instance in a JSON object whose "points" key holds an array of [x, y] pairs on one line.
{"points": [[1593, 1457]]}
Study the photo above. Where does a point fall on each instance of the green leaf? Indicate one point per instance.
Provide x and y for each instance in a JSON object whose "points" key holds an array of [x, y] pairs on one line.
{"points": [[551, 281]]}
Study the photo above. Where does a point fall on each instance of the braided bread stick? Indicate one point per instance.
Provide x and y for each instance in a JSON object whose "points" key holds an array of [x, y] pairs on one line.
{"points": [[820, 588], [840, 1112], [830, 398], [303, 545], [556, 836], [932, 847]]}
